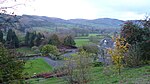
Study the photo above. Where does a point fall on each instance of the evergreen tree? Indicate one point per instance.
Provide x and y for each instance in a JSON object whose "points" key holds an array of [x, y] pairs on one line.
{"points": [[1, 36], [12, 39], [9, 35], [9, 39], [69, 41], [38, 39], [54, 40], [32, 39], [27, 38], [15, 40]]}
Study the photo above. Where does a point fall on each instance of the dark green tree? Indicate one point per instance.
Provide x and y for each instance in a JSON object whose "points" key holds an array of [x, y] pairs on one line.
{"points": [[32, 39], [138, 35], [54, 40], [12, 39], [11, 67], [27, 38], [132, 32], [69, 41], [38, 39], [15, 40], [1, 37], [9, 35]]}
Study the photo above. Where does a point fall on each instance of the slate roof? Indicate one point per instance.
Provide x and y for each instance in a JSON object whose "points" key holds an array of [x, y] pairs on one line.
{"points": [[106, 43]]}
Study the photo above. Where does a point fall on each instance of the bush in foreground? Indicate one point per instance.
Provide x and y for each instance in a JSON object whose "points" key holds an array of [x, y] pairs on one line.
{"points": [[11, 65]]}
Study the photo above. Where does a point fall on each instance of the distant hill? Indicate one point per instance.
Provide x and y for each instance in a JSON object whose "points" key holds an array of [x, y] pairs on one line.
{"points": [[99, 23], [29, 21]]}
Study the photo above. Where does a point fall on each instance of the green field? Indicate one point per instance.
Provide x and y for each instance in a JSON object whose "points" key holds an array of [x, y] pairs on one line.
{"points": [[80, 42], [86, 37], [36, 66], [93, 35]]}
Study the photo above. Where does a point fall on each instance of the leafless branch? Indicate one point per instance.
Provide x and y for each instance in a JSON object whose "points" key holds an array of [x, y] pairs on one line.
{"points": [[2, 8]]}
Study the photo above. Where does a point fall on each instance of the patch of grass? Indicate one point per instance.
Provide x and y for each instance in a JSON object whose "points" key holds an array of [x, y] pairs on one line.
{"points": [[86, 37], [47, 81], [80, 42], [25, 50], [93, 35], [82, 37], [128, 76], [36, 66]]}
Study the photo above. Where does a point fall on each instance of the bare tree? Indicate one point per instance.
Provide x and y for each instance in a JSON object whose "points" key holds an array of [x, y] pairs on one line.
{"points": [[78, 68]]}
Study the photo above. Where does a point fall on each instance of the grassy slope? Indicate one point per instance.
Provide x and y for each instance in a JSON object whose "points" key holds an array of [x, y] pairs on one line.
{"points": [[40, 66], [128, 76], [36, 66]]}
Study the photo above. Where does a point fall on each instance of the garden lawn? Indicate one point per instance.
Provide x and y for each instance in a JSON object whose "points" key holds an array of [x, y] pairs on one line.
{"points": [[37, 66], [25, 50]]}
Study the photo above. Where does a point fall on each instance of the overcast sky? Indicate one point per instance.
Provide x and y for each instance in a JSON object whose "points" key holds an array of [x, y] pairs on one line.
{"points": [[86, 9]]}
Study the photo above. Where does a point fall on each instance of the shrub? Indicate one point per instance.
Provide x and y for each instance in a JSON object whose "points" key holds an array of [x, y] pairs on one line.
{"points": [[35, 49], [133, 56], [91, 49], [50, 50], [78, 68]]}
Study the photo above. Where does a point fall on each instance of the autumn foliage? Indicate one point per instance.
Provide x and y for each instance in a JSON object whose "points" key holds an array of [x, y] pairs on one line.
{"points": [[118, 53]]}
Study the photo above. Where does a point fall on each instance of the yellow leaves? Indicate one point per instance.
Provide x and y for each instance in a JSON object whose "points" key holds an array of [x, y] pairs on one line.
{"points": [[117, 59], [118, 52]]}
